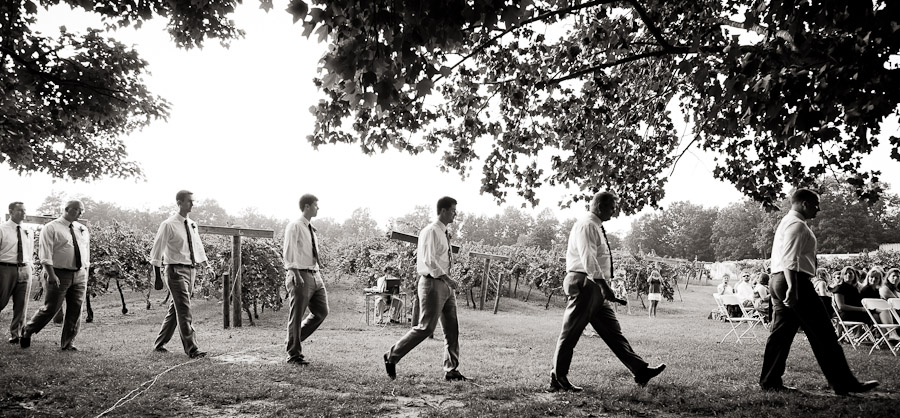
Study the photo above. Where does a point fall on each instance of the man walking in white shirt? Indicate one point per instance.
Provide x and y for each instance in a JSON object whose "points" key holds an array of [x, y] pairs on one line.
{"points": [[796, 304], [65, 254], [590, 266], [16, 253], [436, 295], [178, 247], [305, 287]]}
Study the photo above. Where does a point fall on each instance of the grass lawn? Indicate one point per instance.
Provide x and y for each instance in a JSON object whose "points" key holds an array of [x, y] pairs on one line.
{"points": [[507, 355]]}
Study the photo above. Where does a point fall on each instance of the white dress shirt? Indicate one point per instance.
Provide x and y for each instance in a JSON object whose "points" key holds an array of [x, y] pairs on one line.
{"points": [[588, 251], [56, 248], [171, 244], [433, 252], [9, 243], [744, 290], [297, 251], [724, 289], [794, 247]]}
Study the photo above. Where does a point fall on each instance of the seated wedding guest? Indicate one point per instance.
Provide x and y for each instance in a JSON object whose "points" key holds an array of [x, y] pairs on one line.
{"points": [[888, 287], [821, 282], [389, 287], [847, 298], [873, 281], [724, 288], [861, 279], [762, 299], [744, 289]]}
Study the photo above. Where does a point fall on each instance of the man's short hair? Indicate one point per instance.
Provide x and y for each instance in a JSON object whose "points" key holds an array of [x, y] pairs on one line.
{"points": [[307, 199], [182, 194], [71, 203], [804, 195], [445, 202], [602, 198], [13, 205]]}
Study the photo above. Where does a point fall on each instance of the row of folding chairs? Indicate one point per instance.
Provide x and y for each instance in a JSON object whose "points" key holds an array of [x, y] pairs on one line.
{"points": [[858, 333], [742, 327]]}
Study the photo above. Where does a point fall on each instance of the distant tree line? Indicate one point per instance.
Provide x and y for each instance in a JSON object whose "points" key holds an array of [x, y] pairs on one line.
{"points": [[744, 230]]}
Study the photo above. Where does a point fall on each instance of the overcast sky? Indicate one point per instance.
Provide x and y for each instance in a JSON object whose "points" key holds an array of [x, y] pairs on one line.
{"points": [[237, 134]]}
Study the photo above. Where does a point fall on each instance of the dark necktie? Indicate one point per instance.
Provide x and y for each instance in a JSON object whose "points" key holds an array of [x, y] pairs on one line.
{"points": [[608, 249], [75, 244], [187, 230], [315, 250], [20, 255], [449, 250]]}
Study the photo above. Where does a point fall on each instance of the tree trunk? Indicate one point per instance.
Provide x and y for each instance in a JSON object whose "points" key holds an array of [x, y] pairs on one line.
{"points": [[249, 315], [516, 289], [547, 306], [149, 287], [122, 296], [255, 312], [529, 292], [90, 312]]}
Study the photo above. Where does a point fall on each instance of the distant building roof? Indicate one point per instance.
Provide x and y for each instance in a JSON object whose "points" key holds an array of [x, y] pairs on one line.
{"points": [[889, 247]]}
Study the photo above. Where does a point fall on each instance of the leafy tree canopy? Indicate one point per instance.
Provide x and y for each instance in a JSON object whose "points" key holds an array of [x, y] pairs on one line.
{"points": [[589, 88], [66, 101]]}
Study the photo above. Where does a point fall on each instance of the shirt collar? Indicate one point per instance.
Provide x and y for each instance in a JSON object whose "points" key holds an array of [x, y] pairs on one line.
{"points": [[591, 216], [797, 215], [180, 218], [440, 225], [65, 221]]}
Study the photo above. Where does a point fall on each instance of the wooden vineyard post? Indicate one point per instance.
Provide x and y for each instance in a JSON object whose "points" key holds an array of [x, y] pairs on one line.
{"points": [[226, 300], [497, 296], [236, 274], [485, 280], [484, 283], [236, 265]]}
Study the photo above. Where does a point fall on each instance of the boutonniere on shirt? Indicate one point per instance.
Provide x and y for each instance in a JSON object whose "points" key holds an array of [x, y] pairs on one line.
{"points": [[81, 229], [26, 233], [194, 226]]}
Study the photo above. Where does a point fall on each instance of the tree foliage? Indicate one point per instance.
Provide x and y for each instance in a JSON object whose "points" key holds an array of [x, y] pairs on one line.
{"points": [[587, 88], [67, 100]]}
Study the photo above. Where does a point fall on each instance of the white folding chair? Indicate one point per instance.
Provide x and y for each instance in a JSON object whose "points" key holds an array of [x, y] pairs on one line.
{"points": [[720, 307], [848, 328], [873, 307], [746, 321]]}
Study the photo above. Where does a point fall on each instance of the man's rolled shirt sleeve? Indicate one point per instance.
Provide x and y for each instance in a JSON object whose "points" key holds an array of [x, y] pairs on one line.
{"points": [[45, 252], [159, 243]]}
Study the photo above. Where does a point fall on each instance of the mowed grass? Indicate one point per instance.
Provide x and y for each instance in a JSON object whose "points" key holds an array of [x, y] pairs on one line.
{"points": [[507, 356]]}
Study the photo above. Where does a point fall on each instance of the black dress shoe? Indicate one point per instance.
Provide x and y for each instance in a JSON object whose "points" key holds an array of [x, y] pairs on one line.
{"points": [[160, 350], [562, 383], [454, 375], [70, 348], [779, 389], [859, 388], [25, 340], [649, 373], [300, 361], [390, 367], [13, 340], [197, 354]]}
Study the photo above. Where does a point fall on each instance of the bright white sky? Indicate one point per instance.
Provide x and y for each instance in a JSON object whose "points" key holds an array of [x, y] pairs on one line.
{"points": [[237, 134]]}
